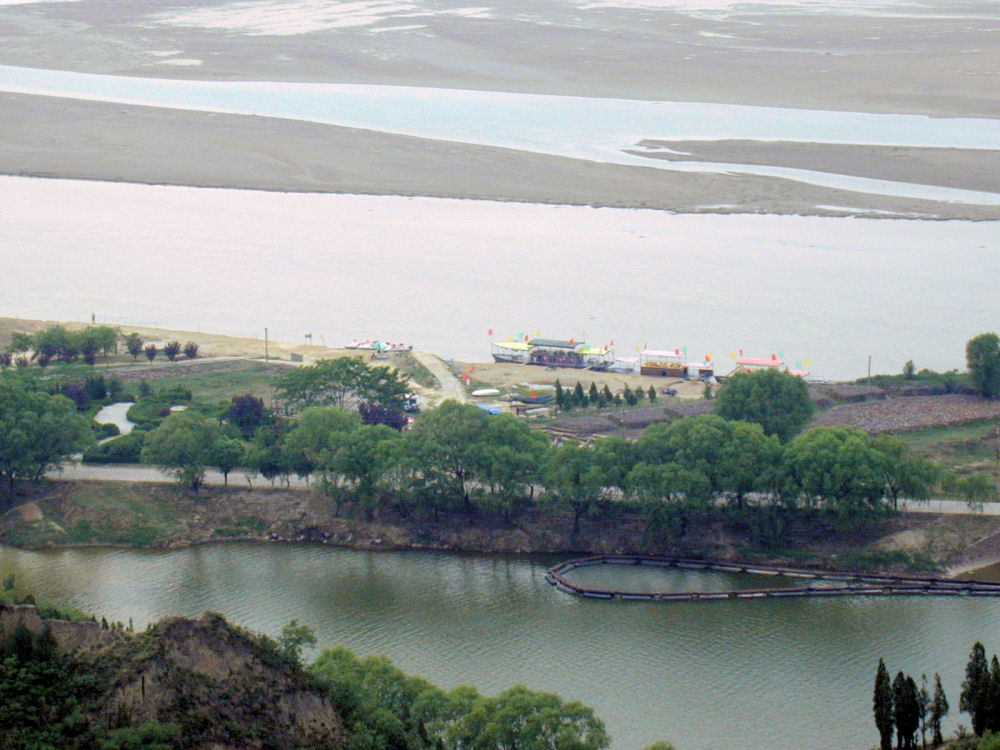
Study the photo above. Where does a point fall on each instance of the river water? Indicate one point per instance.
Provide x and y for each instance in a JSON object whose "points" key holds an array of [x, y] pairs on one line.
{"points": [[439, 274], [705, 676]]}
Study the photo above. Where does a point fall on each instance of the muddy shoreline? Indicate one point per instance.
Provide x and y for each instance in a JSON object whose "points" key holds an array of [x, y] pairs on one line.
{"points": [[61, 514]]}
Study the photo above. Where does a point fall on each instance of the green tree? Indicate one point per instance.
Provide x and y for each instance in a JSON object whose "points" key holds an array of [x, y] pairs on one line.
{"points": [[247, 412], [150, 351], [992, 705], [905, 710], [172, 350], [672, 495], [37, 431], [882, 706], [318, 437], [777, 401], [182, 447], [508, 459], [87, 344], [923, 707], [982, 356], [50, 342], [838, 468], [975, 688], [574, 479], [938, 710], [360, 457], [133, 345], [20, 343], [904, 474], [267, 454], [629, 397], [736, 458], [40, 704], [293, 639], [191, 350], [332, 382], [527, 720], [446, 444], [226, 455]]}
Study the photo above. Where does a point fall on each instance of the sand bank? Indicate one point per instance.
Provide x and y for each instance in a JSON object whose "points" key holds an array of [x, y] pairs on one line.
{"points": [[53, 137], [936, 59]]}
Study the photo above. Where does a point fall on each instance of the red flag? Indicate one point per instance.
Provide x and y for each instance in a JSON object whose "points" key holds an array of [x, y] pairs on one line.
{"points": [[489, 332]]}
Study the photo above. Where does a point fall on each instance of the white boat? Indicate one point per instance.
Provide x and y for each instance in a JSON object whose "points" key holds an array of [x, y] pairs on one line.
{"points": [[481, 392]]}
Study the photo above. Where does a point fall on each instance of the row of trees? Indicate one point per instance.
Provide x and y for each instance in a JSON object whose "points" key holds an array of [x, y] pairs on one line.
{"points": [[576, 397], [901, 706], [459, 458], [65, 346], [56, 342], [136, 345]]}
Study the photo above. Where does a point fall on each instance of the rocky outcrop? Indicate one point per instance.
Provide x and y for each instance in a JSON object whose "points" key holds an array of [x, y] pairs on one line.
{"points": [[224, 687]]}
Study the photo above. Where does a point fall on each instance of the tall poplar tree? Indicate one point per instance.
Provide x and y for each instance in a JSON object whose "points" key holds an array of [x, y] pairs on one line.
{"points": [[975, 688], [939, 709], [992, 704], [882, 706]]}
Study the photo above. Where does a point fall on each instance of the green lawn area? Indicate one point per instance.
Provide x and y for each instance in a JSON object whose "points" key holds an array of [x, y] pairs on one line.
{"points": [[961, 448], [222, 386]]}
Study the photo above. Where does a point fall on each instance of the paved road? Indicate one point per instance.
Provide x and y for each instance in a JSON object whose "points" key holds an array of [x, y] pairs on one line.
{"points": [[133, 473], [451, 387]]}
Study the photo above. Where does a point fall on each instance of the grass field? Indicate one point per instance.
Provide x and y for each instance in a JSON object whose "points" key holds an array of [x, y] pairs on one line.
{"points": [[962, 448], [104, 513], [212, 387]]}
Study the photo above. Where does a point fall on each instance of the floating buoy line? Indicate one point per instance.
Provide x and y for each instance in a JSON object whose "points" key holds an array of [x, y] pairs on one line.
{"points": [[850, 583]]}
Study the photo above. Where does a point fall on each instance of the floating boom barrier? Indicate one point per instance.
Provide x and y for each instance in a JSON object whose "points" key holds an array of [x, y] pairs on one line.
{"points": [[852, 584]]}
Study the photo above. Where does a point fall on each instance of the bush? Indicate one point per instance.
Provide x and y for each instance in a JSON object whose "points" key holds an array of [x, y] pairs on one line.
{"points": [[105, 430], [123, 450], [97, 387]]}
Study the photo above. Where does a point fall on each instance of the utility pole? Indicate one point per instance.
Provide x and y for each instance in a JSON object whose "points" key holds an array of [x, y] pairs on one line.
{"points": [[265, 347], [869, 369]]}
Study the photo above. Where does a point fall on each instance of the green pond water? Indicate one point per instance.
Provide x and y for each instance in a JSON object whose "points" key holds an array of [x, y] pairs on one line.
{"points": [[722, 674]]}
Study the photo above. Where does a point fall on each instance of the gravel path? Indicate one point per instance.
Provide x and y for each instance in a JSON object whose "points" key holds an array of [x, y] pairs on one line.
{"points": [[451, 388]]}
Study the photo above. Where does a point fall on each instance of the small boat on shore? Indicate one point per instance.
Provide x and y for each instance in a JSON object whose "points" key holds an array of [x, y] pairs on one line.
{"points": [[378, 346]]}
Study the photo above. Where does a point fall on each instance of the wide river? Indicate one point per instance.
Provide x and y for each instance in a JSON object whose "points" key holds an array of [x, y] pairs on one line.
{"points": [[705, 676], [439, 274]]}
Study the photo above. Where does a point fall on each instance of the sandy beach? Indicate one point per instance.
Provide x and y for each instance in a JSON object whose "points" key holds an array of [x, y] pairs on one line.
{"points": [[875, 58]]}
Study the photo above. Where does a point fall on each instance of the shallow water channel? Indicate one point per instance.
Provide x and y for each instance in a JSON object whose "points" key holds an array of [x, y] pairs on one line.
{"points": [[777, 674]]}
